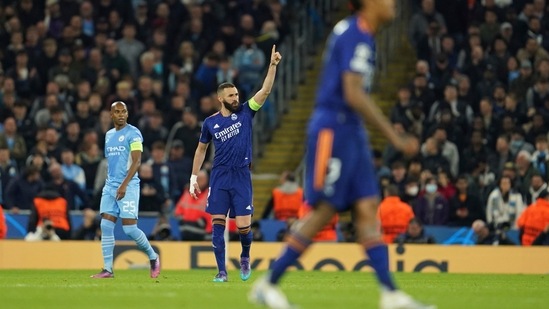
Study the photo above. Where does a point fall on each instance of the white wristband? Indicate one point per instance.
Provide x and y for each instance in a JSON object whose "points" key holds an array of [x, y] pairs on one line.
{"points": [[193, 179]]}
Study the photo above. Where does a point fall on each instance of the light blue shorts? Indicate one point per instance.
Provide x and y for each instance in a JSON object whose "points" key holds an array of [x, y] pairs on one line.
{"points": [[126, 208]]}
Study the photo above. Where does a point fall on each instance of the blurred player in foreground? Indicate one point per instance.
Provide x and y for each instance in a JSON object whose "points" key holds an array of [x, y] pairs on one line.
{"points": [[339, 173]]}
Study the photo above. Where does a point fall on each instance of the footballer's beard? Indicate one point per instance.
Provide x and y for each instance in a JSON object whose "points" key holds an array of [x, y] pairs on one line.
{"points": [[231, 107]]}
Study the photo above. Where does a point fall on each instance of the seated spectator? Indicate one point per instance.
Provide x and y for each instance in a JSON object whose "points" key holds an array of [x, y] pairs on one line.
{"points": [[393, 215], [415, 234], [50, 211], [445, 186], [21, 190], [286, 199], [152, 195], [432, 208], [534, 219], [465, 206], [90, 228], [504, 205], [485, 236], [71, 170], [537, 186], [76, 197], [194, 221]]}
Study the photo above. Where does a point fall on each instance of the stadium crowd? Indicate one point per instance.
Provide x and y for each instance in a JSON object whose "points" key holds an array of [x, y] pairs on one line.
{"points": [[63, 62], [479, 102]]}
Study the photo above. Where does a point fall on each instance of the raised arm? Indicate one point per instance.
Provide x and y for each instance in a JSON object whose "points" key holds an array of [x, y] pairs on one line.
{"points": [[261, 96]]}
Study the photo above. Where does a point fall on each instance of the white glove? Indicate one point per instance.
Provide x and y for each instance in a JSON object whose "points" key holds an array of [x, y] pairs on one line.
{"points": [[192, 189]]}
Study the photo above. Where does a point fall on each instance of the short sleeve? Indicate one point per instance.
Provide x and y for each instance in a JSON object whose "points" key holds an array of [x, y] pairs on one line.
{"points": [[136, 141], [354, 55], [205, 136]]}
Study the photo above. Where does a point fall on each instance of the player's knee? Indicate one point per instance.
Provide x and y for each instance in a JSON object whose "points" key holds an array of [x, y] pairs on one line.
{"points": [[218, 221], [244, 230], [129, 229]]}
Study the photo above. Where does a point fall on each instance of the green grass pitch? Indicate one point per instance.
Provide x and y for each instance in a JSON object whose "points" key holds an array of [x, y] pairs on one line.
{"points": [[194, 289]]}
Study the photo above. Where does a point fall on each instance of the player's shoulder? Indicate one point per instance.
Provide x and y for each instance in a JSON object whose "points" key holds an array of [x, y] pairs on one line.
{"points": [[351, 29], [111, 131], [212, 117]]}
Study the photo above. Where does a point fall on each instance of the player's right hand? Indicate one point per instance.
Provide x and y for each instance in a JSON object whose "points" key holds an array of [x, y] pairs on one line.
{"points": [[194, 189], [408, 145]]}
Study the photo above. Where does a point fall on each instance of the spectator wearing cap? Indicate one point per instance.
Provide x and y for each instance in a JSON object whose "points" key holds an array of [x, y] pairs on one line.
{"points": [[504, 204], [534, 219]]}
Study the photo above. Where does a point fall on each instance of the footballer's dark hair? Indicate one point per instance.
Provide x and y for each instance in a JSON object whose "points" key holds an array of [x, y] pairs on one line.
{"points": [[224, 86]]}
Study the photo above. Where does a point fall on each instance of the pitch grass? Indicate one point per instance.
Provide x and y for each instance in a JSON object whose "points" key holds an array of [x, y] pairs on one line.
{"points": [[194, 289]]}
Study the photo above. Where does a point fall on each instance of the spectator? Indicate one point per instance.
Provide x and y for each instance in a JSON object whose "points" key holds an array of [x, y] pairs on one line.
{"points": [[12, 140], [89, 159], [286, 199], [90, 229], [22, 190], [194, 221], [153, 198], [8, 171], [505, 205], [393, 214], [446, 187], [525, 170], [420, 21], [432, 208], [415, 234], [50, 211], [130, 48], [465, 206], [449, 150], [534, 219], [162, 173], [70, 170], [249, 61], [487, 237], [74, 194], [187, 131]]}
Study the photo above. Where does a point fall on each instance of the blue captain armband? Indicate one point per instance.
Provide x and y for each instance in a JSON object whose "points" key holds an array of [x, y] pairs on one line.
{"points": [[254, 105]]}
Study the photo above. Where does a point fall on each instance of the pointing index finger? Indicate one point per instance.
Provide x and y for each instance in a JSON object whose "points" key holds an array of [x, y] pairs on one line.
{"points": [[274, 49]]}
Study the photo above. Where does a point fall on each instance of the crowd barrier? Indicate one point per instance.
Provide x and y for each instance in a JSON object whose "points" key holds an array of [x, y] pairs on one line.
{"points": [[17, 254], [17, 229]]}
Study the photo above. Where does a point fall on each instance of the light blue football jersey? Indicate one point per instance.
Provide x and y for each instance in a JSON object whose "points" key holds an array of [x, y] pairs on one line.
{"points": [[117, 152]]}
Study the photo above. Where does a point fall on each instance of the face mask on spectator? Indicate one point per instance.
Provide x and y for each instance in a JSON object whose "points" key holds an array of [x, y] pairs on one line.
{"points": [[431, 188]]}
